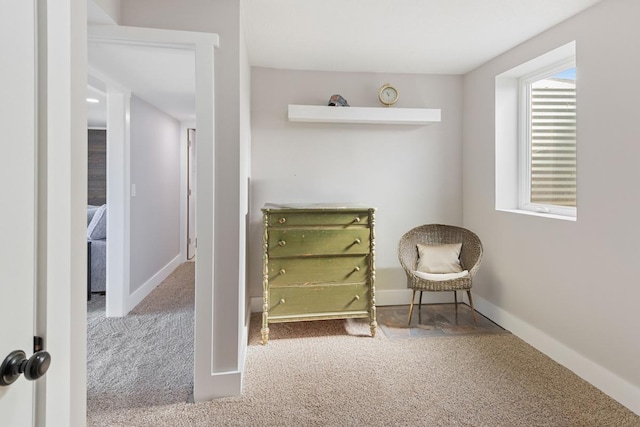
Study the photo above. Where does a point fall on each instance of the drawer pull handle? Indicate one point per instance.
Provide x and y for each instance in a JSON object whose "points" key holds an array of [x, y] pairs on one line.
{"points": [[357, 241], [282, 271], [356, 219], [281, 301], [282, 243], [282, 220], [356, 268], [357, 297]]}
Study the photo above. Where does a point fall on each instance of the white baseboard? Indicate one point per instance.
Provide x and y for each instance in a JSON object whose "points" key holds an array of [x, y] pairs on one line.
{"points": [[244, 340], [608, 382], [141, 293], [225, 384]]}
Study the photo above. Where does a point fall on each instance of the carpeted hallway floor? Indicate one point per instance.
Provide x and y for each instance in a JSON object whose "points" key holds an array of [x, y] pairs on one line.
{"points": [[331, 373], [145, 358]]}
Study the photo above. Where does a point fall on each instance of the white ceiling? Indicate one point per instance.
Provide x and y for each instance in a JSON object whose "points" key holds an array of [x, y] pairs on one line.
{"points": [[394, 36], [384, 36], [163, 77]]}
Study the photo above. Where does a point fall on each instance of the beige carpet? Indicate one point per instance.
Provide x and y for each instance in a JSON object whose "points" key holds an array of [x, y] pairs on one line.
{"points": [[332, 373]]}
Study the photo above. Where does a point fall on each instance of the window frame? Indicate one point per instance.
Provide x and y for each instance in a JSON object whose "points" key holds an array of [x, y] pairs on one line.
{"points": [[524, 139]]}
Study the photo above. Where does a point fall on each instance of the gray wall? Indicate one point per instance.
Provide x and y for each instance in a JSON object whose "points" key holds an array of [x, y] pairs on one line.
{"points": [[155, 210], [411, 174], [231, 151], [569, 288]]}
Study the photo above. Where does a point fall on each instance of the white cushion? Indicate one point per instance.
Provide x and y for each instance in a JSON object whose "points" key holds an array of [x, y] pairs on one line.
{"points": [[440, 258], [440, 277]]}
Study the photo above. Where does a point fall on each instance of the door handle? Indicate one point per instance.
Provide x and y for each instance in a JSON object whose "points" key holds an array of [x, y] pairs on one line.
{"points": [[16, 363]]}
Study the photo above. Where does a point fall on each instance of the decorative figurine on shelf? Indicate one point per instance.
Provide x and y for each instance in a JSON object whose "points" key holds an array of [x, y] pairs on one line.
{"points": [[337, 101]]}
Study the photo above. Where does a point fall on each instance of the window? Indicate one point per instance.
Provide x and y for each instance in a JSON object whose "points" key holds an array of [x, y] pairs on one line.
{"points": [[547, 143], [535, 136]]}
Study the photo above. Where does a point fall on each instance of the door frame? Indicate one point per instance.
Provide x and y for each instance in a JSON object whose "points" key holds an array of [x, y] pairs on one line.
{"points": [[120, 300], [209, 382], [118, 191], [62, 65], [62, 70]]}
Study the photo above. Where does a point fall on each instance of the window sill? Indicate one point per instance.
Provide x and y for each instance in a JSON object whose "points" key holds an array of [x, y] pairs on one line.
{"points": [[539, 214]]}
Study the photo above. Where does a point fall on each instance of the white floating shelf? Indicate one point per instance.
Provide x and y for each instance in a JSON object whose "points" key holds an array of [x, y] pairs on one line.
{"points": [[385, 115]]}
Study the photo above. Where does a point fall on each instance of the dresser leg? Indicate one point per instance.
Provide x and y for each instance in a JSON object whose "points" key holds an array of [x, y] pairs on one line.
{"points": [[374, 324], [265, 328]]}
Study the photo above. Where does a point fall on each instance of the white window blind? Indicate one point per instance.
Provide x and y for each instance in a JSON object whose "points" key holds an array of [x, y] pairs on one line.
{"points": [[553, 142]]}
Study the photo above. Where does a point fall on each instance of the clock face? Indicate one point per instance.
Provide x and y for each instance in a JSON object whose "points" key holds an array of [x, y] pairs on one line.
{"points": [[388, 95]]}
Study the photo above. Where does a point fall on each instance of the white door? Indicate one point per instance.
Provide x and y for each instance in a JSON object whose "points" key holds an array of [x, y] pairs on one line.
{"points": [[18, 195], [191, 192]]}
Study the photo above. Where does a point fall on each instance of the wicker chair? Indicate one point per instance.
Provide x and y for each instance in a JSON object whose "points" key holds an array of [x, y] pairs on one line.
{"points": [[437, 234]]}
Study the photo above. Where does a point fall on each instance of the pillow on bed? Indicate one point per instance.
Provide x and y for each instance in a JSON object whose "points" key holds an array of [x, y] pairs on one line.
{"points": [[91, 210], [439, 258], [97, 229]]}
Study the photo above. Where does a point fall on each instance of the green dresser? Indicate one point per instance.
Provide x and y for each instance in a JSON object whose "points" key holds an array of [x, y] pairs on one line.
{"points": [[318, 263]]}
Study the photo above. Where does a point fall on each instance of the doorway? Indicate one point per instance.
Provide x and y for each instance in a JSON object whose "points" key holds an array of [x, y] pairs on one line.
{"points": [[202, 45], [131, 102], [150, 90]]}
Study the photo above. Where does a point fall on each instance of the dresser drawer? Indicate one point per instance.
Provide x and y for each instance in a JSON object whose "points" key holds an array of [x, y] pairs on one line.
{"points": [[293, 219], [288, 301], [326, 241], [344, 269]]}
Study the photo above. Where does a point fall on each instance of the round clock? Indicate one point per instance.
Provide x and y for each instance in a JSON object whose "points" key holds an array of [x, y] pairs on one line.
{"points": [[388, 95]]}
